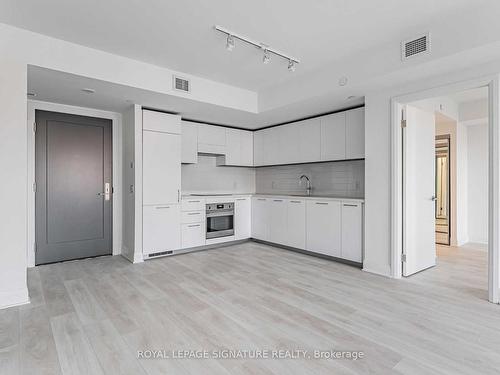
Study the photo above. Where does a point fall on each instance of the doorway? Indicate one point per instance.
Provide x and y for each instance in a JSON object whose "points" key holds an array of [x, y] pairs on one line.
{"points": [[411, 231], [73, 199], [443, 201]]}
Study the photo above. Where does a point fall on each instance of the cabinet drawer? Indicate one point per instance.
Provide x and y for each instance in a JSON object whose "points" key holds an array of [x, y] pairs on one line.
{"points": [[192, 217], [193, 204], [193, 235]]}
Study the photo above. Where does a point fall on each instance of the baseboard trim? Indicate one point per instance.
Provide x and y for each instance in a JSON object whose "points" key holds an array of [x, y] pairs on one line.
{"points": [[15, 298]]}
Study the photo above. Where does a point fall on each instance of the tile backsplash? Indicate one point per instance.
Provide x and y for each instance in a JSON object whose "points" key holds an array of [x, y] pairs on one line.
{"points": [[206, 177], [346, 179]]}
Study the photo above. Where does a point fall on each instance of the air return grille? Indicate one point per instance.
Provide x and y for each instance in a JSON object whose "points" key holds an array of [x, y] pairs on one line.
{"points": [[182, 84], [415, 47]]}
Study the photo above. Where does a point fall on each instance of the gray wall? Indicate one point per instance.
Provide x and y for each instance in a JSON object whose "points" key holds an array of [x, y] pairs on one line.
{"points": [[344, 179], [206, 177]]}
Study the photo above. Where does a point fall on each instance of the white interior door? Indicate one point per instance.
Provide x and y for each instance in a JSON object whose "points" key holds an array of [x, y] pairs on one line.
{"points": [[418, 191]]}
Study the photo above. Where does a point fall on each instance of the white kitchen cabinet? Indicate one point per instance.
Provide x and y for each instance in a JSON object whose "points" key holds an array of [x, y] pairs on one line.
{"points": [[277, 221], [189, 144], [242, 218], [161, 122], [323, 227], [239, 148], [309, 140], [260, 218], [161, 228], [161, 168], [211, 134], [193, 235], [296, 223], [333, 136], [352, 231], [258, 148], [190, 217], [193, 204], [355, 134]]}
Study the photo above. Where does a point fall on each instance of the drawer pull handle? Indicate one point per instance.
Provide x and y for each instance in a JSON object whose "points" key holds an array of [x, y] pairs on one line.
{"points": [[350, 205], [193, 213], [194, 225], [193, 201], [277, 200], [295, 202], [261, 199], [162, 207], [323, 203], [241, 199]]}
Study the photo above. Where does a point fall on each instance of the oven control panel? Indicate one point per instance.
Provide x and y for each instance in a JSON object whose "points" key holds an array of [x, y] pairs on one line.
{"points": [[219, 206]]}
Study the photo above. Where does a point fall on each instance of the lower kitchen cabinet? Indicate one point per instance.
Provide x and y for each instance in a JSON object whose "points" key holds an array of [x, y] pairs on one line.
{"points": [[352, 231], [296, 223], [161, 228], [260, 218], [278, 221], [193, 235], [324, 227], [242, 218]]}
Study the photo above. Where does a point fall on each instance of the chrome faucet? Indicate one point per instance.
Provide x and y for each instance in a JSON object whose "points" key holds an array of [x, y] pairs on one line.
{"points": [[308, 184]]}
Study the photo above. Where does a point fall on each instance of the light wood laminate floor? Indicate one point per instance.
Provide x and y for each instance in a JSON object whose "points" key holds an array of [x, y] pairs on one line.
{"points": [[93, 316]]}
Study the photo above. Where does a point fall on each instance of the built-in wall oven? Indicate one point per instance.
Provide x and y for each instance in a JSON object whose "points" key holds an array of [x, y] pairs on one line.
{"points": [[220, 220]]}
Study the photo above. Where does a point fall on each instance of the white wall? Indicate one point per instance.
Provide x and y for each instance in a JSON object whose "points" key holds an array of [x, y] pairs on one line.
{"points": [[14, 187], [206, 177], [477, 141]]}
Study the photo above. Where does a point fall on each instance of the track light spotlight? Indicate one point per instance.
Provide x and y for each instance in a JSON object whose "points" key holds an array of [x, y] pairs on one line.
{"points": [[266, 59], [291, 66], [230, 42]]}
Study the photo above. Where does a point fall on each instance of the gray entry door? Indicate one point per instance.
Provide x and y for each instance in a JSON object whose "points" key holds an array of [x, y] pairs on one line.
{"points": [[73, 161]]}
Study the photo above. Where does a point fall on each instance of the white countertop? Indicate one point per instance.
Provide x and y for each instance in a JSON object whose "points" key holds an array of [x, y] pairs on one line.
{"points": [[282, 196]]}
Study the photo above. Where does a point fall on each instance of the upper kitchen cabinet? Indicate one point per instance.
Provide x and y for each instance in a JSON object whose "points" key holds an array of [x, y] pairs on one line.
{"points": [[239, 148], [189, 146], [161, 122], [355, 134], [309, 140], [333, 136], [211, 139]]}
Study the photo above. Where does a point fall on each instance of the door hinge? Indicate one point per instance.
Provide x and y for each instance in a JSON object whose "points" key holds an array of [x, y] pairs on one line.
{"points": [[34, 127], [34, 187], [403, 258], [403, 124]]}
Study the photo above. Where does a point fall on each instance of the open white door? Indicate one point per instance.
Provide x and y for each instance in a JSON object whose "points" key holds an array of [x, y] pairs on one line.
{"points": [[418, 191]]}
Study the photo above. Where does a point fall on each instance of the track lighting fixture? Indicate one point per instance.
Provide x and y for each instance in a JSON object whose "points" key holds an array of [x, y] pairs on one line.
{"points": [[266, 58], [230, 42]]}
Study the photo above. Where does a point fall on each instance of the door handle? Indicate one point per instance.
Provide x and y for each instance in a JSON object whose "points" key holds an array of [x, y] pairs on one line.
{"points": [[433, 198], [106, 193]]}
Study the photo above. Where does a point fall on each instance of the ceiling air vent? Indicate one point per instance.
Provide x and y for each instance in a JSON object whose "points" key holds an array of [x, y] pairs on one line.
{"points": [[182, 84], [415, 46]]}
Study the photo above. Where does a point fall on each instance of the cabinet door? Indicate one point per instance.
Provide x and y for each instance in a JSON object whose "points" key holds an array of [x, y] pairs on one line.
{"points": [[323, 222], [352, 231], [161, 122], [161, 168], [278, 221], [355, 134], [260, 219], [189, 144], [271, 146], [289, 143], [296, 223], [333, 136], [310, 140], [242, 218], [193, 235], [161, 229], [246, 148], [258, 148], [211, 134], [233, 147]]}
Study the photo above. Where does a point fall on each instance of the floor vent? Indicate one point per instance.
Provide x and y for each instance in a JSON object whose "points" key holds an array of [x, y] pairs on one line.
{"points": [[182, 84], [415, 47], [162, 253]]}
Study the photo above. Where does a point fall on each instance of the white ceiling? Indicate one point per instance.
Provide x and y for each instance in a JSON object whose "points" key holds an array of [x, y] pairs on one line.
{"points": [[179, 34]]}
